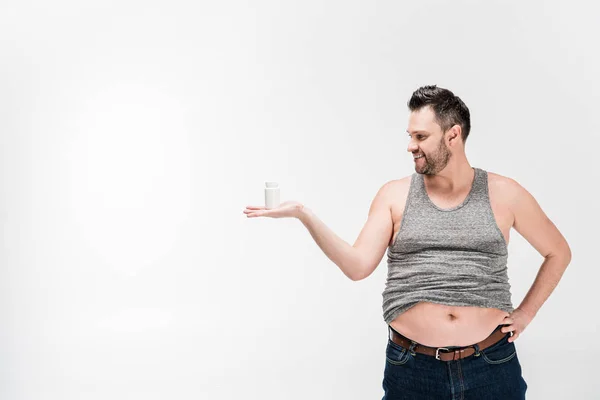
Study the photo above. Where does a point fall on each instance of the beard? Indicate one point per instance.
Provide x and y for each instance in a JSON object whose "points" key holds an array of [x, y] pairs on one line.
{"points": [[434, 162]]}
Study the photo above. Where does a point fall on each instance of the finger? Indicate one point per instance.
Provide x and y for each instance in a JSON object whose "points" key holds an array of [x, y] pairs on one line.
{"points": [[255, 211], [508, 320], [513, 337], [265, 213], [255, 207], [509, 328]]}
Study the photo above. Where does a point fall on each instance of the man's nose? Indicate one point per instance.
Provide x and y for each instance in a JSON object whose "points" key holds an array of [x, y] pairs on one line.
{"points": [[412, 147]]}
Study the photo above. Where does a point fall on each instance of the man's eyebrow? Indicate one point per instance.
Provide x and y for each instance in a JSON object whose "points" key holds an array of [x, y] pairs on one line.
{"points": [[417, 132]]}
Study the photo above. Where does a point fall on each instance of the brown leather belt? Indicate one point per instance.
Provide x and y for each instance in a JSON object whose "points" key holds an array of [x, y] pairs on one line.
{"points": [[443, 353]]}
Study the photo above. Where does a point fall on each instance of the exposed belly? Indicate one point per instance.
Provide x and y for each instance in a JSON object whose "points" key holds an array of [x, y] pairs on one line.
{"points": [[439, 325]]}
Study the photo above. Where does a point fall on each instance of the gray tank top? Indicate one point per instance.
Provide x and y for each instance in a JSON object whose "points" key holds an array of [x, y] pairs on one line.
{"points": [[455, 256]]}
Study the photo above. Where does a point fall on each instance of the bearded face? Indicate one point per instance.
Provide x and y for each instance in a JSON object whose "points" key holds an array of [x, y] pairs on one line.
{"points": [[430, 152], [431, 163]]}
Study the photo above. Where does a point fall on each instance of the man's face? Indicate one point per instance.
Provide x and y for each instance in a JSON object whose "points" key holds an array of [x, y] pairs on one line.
{"points": [[427, 140]]}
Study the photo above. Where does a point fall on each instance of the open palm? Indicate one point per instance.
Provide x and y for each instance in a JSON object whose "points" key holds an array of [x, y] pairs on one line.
{"points": [[287, 209]]}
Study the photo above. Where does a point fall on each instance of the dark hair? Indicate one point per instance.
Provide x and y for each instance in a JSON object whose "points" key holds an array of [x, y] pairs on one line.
{"points": [[449, 109]]}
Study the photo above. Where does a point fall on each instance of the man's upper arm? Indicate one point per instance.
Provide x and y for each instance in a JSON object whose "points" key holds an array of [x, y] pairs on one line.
{"points": [[532, 223], [375, 236]]}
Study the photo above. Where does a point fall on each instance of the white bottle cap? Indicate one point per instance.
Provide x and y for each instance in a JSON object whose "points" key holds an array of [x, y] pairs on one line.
{"points": [[271, 184]]}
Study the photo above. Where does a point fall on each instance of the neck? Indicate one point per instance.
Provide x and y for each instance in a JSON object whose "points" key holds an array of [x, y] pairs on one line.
{"points": [[454, 178]]}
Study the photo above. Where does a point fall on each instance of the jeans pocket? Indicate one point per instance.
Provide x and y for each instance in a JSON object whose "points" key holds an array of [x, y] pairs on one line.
{"points": [[500, 352], [396, 354]]}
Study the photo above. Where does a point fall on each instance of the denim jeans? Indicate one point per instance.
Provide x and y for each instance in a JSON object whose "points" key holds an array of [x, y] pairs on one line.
{"points": [[494, 373]]}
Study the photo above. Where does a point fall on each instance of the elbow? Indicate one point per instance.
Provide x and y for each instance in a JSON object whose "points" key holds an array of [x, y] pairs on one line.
{"points": [[355, 276], [567, 255], [361, 267], [563, 254], [362, 274]]}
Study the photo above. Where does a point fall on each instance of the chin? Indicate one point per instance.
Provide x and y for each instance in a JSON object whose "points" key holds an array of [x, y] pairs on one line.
{"points": [[421, 170]]}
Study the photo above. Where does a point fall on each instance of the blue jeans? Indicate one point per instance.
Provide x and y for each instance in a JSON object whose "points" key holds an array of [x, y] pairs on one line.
{"points": [[494, 373]]}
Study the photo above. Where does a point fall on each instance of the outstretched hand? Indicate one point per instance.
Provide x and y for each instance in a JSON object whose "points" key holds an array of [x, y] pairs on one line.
{"points": [[287, 209], [517, 321]]}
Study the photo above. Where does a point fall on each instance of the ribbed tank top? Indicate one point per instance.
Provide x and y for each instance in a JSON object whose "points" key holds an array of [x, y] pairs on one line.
{"points": [[455, 256]]}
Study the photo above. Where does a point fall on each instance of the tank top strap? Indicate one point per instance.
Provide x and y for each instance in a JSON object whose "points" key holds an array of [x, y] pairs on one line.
{"points": [[416, 193], [479, 191]]}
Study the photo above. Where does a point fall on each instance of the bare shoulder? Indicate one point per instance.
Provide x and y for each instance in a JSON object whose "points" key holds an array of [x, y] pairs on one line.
{"points": [[398, 188], [396, 196], [392, 196], [529, 218], [499, 181], [504, 189]]}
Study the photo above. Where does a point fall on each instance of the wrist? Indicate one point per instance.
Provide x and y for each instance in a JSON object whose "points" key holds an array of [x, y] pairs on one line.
{"points": [[302, 213], [530, 313]]}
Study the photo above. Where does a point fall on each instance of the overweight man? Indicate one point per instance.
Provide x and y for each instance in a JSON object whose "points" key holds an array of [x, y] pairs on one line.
{"points": [[446, 228]]}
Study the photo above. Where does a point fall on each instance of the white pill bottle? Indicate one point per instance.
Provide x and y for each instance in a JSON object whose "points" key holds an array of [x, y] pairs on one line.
{"points": [[271, 195]]}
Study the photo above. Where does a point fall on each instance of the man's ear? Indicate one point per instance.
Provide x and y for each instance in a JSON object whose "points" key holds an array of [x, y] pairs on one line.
{"points": [[454, 134]]}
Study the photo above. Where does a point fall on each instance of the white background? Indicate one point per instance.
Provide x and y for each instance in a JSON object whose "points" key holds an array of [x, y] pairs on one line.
{"points": [[133, 135]]}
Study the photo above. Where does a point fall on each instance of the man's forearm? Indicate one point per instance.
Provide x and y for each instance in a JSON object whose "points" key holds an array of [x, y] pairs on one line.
{"points": [[336, 249], [546, 280]]}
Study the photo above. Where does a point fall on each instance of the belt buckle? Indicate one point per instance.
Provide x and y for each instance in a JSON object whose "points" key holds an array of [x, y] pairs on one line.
{"points": [[437, 352]]}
